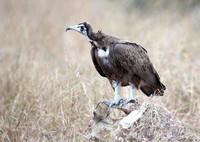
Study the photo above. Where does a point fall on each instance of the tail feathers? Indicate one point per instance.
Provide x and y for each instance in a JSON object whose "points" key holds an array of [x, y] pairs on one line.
{"points": [[149, 91], [163, 86]]}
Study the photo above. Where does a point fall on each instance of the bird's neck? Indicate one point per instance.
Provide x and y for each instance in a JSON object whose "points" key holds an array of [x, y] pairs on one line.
{"points": [[102, 40], [96, 38]]}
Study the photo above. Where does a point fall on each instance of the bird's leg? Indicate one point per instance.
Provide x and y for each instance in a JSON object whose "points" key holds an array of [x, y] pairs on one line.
{"points": [[116, 100], [131, 94], [116, 94], [130, 99], [131, 91]]}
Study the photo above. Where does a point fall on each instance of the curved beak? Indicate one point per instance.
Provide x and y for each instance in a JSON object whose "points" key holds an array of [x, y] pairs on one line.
{"points": [[78, 29], [75, 28]]}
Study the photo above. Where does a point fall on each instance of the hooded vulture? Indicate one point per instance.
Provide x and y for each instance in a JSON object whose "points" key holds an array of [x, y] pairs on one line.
{"points": [[122, 62]]}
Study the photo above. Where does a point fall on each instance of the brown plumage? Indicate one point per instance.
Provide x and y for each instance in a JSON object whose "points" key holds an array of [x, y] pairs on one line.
{"points": [[122, 62]]}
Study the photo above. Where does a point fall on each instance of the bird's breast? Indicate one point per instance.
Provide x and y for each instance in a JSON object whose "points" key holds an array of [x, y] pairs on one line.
{"points": [[103, 53], [106, 62]]}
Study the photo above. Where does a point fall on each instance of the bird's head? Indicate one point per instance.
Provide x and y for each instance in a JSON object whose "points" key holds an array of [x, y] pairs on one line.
{"points": [[83, 28]]}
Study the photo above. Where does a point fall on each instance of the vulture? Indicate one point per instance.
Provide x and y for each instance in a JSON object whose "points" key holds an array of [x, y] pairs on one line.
{"points": [[122, 62]]}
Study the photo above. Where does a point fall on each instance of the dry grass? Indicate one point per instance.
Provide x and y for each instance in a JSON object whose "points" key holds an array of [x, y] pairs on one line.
{"points": [[158, 124], [48, 85]]}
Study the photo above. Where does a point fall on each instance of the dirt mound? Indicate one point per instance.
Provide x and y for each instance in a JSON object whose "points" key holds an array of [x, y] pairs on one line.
{"points": [[149, 121]]}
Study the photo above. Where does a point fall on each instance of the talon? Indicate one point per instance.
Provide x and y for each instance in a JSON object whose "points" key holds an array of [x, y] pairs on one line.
{"points": [[133, 100], [127, 100], [114, 102], [115, 85]]}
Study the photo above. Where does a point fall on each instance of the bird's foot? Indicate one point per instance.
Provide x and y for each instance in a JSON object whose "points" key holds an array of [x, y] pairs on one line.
{"points": [[112, 103], [124, 101]]}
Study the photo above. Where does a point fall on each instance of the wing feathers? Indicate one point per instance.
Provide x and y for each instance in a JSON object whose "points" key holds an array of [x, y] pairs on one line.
{"points": [[134, 59]]}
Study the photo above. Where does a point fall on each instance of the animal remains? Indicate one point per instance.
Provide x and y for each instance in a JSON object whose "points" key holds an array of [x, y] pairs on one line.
{"points": [[122, 62]]}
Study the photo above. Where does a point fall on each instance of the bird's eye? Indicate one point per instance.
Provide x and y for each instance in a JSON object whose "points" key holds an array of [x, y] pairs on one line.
{"points": [[82, 28]]}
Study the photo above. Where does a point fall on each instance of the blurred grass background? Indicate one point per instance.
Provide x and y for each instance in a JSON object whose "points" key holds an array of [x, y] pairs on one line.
{"points": [[48, 84]]}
